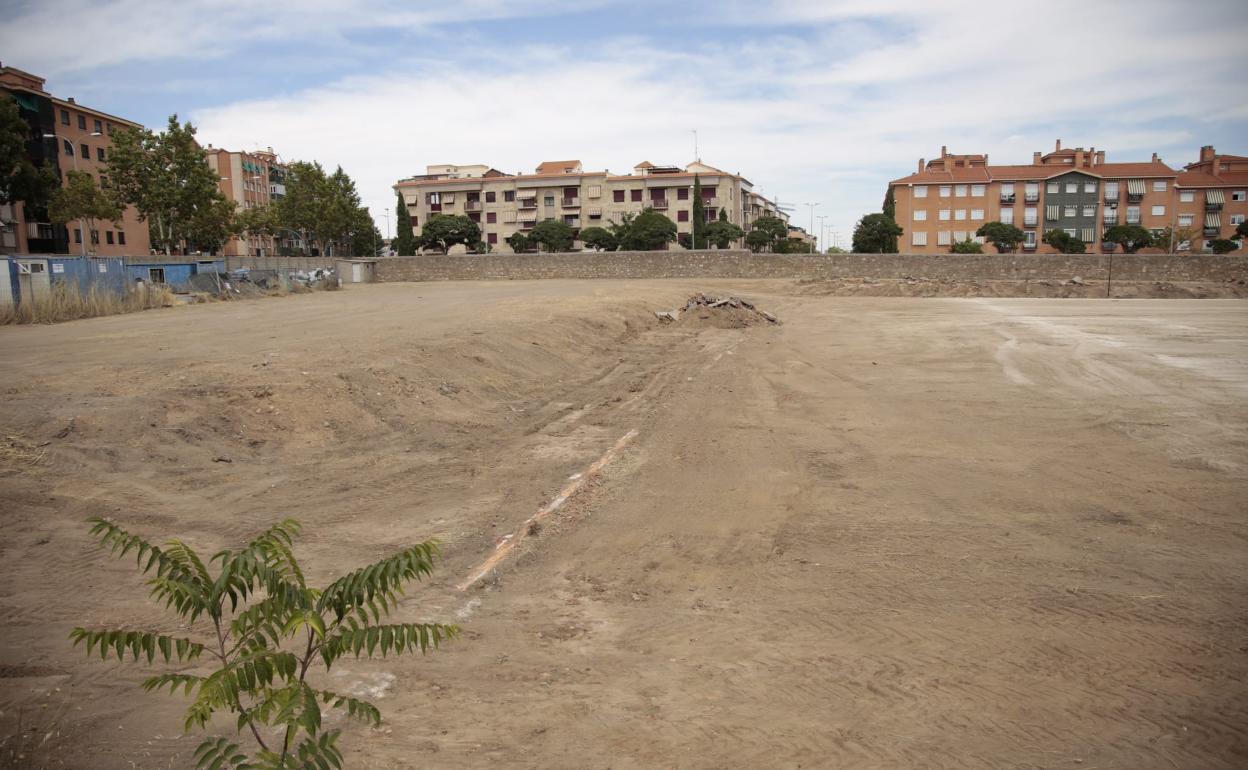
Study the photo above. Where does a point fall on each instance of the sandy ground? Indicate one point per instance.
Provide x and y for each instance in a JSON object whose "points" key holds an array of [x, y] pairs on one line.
{"points": [[962, 533]]}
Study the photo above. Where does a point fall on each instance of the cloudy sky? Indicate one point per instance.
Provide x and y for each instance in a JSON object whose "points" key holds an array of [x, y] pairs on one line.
{"points": [[814, 101]]}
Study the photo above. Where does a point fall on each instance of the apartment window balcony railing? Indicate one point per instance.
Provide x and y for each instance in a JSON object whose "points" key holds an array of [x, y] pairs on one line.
{"points": [[710, 201], [658, 205], [1007, 199], [1211, 232], [1135, 197], [528, 203], [1111, 197], [1212, 206], [1029, 247], [472, 205], [568, 203], [527, 224], [1029, 223], [1031, 197], [435, 206], [1133, 220], [1110, 221]]}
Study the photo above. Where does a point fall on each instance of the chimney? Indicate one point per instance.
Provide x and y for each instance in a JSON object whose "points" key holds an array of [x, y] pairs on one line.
{"points": [[1207, 152], [1078, 157], [1035, 159], [985, 159], [1091, 157], [944, 150], [71, 100], [1059, 145], [920, 165], [1155, 158], [1100, 158]]}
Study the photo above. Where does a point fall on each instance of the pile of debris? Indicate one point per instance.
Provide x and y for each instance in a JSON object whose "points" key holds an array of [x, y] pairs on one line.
{"points": [[721, 312]]}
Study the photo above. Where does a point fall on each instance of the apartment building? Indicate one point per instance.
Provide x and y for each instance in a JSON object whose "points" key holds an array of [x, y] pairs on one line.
{"points": [[1212, 196], [1074, 190], [251, 179], [66, 136], [504, 204]]}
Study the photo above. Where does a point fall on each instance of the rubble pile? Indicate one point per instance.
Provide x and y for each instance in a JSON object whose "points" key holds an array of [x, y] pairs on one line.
{"points": [[721, 312]]}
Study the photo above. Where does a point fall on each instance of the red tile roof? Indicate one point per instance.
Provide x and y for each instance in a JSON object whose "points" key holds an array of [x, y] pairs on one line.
{"points": [[1029, 172], [557, 166], [1203, 179]]}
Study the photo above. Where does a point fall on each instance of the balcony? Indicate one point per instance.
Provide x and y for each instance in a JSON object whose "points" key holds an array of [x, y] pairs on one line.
{"points": [[1029, 223], [527, 203], [1111, 197], [1133, 220], [435, 207], [1110, 221], [659, 205], [1135, 197], [1212, 206], [710, 201], [1211, 232], [1029, 246], [472, 205], [527, 224], [1031, 197], [571, 203], [1007, 200]]}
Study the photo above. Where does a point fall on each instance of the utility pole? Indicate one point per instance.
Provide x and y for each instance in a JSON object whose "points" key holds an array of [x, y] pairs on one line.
{"points": [[820, 243], [811, 206]]}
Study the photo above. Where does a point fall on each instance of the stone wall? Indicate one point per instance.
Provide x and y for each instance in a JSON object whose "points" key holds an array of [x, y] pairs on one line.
{"points": [[744, 264]]}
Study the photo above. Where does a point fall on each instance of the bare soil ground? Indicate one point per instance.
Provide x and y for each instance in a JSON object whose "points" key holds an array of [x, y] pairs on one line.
{"points": [[1043, 288], [962, 533]]}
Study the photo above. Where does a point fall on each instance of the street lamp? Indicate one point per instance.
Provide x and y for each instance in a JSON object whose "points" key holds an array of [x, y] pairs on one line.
{"points": [[82, 225], [820, 240], [811, 206]]}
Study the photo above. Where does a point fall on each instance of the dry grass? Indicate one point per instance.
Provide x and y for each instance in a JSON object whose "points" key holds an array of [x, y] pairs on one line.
{"points": [[64, 302], [17, 454]]}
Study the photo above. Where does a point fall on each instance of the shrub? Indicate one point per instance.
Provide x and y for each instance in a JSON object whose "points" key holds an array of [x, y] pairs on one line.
{"points": [[966, 247], [261, 647], [1223, 246], [64, 302]]}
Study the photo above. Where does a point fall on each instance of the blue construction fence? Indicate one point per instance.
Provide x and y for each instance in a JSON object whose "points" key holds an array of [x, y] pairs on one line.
{"points": [[19, 274]]}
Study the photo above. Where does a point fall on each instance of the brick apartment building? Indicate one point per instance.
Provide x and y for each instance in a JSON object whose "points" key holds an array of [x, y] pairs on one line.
{"points": [[504, 204], [1074, 190], [67, 136], [251, 179]]}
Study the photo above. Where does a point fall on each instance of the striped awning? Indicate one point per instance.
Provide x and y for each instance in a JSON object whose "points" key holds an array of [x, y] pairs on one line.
{"points": [[1213, 219], [1051, 212], [1088, 234], [1135, 187], [595, 212], [1215, 196]]}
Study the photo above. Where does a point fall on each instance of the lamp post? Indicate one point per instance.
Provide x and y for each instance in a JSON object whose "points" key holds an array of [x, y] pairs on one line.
{"points": [[811, 206], [82, 224], [822, 226]]}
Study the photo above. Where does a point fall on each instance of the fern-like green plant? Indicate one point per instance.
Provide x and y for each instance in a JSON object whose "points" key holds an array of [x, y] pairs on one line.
{"points": [[251, 614]]}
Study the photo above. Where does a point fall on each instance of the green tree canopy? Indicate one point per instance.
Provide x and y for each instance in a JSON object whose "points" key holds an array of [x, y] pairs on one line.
{"points": [[82, 199], [1241, 230], [599, 239], [967, 246], [404, 243], [648, 231], [876, 233], [767, 233], [212, 225], [698, 226], [723, 233], [442, 231], [20, 179], [165, 178], [552, 235], [518, 241], [758, 240], [1223, 245], [1132, 238], [1064, 242], [1006, 238]]}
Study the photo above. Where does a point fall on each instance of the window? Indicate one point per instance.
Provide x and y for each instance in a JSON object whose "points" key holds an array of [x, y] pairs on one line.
{"points": [[509, 196], [1070, 211], [82, 122], [1089, 187], [977, 214], [920, 191], [960, 214], [1133, 215], [1159, 185], [99, 127], [108, 236], [415, 221], [1070, 231], [1032, 191], [942, 238], [959, 235], [1089, 211], [1053, 187], [959, 190], [1237, 219], [1187, 196], [1159, 211], [682, 193], [1007, 216], [99, 154], [945, 214], [77, 235], [95, 237], [945, 191], [103, 181], [1072, 187], [682, 216], [635, 195], [121, 238], [1239, 195], [618, 196], [489, 197], [64, 117], [1111, 191], [110, 129], [1029, 239], [1029, 216], [918, 239], [1007, 188], [1185, 220], [491, 238], [920, 215], [977, 190], [549, 200], [84, 152], [491, 217], [156, 274]]}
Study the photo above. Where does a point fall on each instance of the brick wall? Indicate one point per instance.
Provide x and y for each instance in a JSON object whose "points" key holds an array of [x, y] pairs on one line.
{"points": [[744, 264]]}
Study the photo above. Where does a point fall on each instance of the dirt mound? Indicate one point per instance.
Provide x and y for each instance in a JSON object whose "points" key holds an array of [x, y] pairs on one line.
{"points": [[717, 312]]}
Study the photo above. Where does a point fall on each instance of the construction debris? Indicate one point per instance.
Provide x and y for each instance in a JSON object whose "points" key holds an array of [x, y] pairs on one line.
{"points": [[723, 312]]}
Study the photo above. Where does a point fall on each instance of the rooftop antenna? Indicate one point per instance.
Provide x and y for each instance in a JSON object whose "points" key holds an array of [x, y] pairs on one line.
{"points": [[696, 157]]}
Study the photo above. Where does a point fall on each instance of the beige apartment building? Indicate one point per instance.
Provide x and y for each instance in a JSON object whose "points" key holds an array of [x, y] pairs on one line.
{"points": [[1070, 189], [504, 204], [251, 179], [69, 137]]}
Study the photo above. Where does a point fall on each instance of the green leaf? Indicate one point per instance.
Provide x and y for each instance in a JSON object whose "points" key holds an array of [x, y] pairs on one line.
{"points": [[137, 642], [378, 586]]}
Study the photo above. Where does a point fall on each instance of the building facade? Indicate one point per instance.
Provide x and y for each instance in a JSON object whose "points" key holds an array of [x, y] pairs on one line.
{"points": [[65, 136], [504, 204], [250, 180], [1074, 190]]}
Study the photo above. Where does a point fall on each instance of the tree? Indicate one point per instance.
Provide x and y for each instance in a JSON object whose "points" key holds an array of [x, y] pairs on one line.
{"points": [[1006, 238], [82, 199], [1064, 242], [599, 239], [1223, 245], [722, 233], [648, 231], [766, 234], [364, 237], [1241, 231], [20, 179], [757, 240], [698, 225], [442, 231], [258, 221], [1172, 237], [835, 250], [253, 619], [165, 178], [519, 242], [890, 211], [404, 243], [876, 233], [1132, 238], [552, 235], [212, 225], [967, 246]]}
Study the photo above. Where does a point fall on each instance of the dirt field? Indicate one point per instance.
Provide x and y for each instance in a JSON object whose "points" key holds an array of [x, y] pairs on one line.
{"points": [[961, 533]]}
